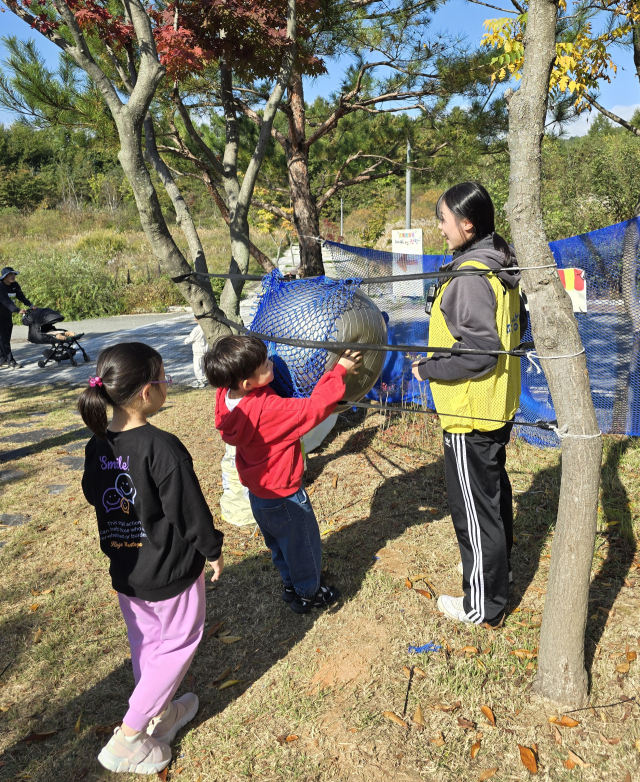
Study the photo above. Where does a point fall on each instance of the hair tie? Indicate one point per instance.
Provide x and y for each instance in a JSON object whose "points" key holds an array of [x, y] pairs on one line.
{"points": [[95, 381]]}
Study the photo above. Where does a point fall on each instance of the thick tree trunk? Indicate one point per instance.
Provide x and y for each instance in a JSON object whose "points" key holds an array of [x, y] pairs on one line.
{"points": [[561, 672], [306, 218]]}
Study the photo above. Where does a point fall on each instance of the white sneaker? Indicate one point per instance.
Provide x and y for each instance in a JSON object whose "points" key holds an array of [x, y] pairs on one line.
{"points": [[140, 754], [176, 716], [461, 571], [452, 608], [197, 384]]}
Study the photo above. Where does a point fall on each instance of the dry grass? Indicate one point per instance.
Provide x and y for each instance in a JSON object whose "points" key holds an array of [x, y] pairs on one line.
{"points": [[325, 678]]}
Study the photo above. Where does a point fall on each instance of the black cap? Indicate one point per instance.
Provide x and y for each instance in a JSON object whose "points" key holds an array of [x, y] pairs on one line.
{"points": [[7, 270]]}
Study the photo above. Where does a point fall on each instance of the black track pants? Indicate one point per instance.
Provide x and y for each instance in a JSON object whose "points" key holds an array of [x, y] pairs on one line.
{"points": [[6, 327], [480, 502]]}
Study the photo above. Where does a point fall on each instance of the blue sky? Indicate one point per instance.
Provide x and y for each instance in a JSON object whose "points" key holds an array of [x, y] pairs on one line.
{"points": [[622, 96]]}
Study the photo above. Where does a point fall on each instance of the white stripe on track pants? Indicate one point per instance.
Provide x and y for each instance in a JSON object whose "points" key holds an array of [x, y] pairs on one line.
{"points": [[480, 501]]}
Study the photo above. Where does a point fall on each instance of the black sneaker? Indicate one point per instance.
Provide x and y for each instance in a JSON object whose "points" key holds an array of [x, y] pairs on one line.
{"points": [[14, 365], [288, 593], [325, 596]]}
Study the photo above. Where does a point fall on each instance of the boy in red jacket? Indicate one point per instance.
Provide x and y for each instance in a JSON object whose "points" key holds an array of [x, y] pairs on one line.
{"points": [[266, 430]]}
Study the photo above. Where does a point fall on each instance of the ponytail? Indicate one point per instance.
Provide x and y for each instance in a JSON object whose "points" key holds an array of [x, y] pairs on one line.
{"points": [[121, 371], [471, 201]]}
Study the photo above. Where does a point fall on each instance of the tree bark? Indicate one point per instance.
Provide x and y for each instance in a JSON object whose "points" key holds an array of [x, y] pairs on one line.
{"points": [[306, 218], [561, 675]]}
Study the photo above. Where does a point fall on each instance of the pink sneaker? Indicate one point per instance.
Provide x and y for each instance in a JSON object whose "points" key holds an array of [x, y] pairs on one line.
{"points": [[140, 754], [176, 716]]}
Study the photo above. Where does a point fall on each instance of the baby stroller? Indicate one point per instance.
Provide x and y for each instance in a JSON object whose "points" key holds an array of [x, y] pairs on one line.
{"points": [[42, 331]]}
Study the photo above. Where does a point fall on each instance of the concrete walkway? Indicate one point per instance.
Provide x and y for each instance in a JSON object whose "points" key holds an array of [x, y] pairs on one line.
{"points": [[164, 331]]}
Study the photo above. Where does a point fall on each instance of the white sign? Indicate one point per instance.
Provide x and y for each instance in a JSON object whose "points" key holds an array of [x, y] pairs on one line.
{"points": [[406, 246]]}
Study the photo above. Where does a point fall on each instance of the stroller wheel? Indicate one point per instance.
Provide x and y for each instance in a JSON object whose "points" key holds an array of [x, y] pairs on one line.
{"points": [[87, 358], [42, 364], [74, 363]]}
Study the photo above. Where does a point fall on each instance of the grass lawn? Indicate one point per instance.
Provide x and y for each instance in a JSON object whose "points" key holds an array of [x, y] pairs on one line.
{"points": [[313, 690]]}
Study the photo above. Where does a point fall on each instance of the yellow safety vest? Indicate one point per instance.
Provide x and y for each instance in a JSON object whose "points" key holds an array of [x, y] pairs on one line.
{"points": [[495, 395]]}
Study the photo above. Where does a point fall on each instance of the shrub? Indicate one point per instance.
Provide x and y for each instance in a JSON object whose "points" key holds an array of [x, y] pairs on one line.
{"points": [[74, 286]]}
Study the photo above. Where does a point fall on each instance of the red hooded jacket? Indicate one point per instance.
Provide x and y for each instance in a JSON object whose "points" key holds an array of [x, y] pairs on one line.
{"points": [[266, 430]]}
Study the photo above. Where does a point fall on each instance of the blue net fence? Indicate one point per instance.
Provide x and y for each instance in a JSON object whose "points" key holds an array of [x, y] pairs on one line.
{"points": [[609, 328]]}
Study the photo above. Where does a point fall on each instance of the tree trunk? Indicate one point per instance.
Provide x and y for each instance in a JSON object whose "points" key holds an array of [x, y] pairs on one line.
{"points": [[561, 676], [305, 211]]}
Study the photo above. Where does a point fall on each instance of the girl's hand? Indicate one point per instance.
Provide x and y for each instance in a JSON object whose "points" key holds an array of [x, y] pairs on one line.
{"points": [[218, 567], [351, 360], [415, 371]]}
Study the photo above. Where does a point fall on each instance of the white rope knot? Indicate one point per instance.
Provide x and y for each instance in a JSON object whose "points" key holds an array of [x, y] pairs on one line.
{"points": [[563, 432], [531, 355]]}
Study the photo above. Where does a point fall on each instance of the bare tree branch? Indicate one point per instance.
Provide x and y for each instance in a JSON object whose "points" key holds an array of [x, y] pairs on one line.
{"points": [[611, 115]]}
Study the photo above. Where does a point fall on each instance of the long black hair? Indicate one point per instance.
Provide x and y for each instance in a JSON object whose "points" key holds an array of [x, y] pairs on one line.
{"points": [[471, 201], [122, 370]]}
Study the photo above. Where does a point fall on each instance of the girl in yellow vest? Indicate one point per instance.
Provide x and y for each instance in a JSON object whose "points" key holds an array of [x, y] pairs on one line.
{"points": [[476, 397]]}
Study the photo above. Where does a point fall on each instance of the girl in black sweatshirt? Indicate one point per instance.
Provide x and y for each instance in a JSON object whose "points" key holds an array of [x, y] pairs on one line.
{"points": [[156, 528]]}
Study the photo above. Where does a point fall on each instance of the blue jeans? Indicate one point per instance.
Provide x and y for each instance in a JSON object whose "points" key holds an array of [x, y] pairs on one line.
{"points": [[292, 534]]}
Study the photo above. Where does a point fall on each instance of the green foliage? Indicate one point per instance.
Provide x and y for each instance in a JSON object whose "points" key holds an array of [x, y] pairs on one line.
{"points": [[73, 286]]}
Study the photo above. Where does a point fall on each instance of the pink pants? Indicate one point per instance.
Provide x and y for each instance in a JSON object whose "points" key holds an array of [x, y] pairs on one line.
{"points": [[163, 637]]}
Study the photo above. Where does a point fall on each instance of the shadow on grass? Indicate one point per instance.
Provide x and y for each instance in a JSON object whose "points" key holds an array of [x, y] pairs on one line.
{"points": [[248, 601]]}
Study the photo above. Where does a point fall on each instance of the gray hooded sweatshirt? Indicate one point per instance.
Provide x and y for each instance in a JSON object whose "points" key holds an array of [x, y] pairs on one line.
{"points": [[469, 308]]}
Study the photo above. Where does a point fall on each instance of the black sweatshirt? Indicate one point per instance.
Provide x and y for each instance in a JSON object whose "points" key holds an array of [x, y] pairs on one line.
{"points": [[154, 522], [8, 294]]}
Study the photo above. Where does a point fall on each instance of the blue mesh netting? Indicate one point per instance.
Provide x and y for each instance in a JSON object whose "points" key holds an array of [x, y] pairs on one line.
{"points": [[609, 329], [304, 309]]}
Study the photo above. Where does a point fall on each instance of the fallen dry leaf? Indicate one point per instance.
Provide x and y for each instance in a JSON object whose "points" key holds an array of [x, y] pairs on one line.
{"points": [[420, 577], [408, 583], [577, 760], [38, 736], [424, 593], [35, 607], [466, 724], [292, 737], [605, 740], [78, 726], [418, 717], [231, 639], [627, 777], [222, 676], [229, 683], [467, 650], [35, 592], [394, 718], [489, 715], [557, 736], [528, 759], [564, 721], [490, 772], [623, 668], [438, 740], [475, 749], [215, 628], [406, 671], [37, 636], [162, 775], [446, 707], [419, 672], [637, 744], [335, 482], [191, 682], [7, 706], [569, 764], [631, 656], [281, 739], [46, 592], [524, 654]]}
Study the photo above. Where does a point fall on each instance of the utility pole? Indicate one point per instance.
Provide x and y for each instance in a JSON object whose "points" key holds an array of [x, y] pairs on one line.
{"points": [[407, 218]]}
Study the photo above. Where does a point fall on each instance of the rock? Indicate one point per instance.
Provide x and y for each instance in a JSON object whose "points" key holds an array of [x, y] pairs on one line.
{"points": [[57, 489], [13, 519], [11, 475], [73, 462]]}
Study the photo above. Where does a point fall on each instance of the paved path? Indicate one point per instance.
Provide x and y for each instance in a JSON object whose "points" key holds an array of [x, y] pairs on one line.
{"points": [[165, 332]]}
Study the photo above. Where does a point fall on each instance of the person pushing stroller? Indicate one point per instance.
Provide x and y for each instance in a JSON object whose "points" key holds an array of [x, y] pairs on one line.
{"points": [[10, 290]]}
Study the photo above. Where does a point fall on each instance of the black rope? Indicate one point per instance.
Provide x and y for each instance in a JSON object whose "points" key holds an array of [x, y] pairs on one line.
{"points": [[520, 352], [359, 280], [548, 425]]}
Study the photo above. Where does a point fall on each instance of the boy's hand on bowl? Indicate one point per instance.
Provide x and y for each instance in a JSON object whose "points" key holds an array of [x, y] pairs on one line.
{"points": [[351, 360]]}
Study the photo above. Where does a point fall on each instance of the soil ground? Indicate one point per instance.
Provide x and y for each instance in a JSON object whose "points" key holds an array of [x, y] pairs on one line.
{"points": [[313, 690]]}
